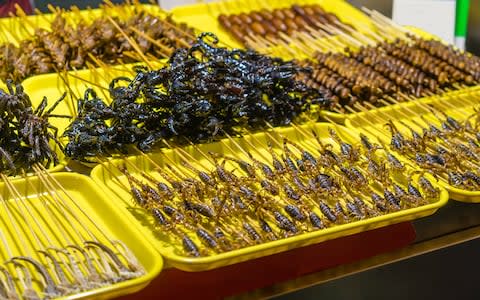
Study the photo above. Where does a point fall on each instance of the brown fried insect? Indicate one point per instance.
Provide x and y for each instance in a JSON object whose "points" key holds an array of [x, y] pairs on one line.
{"points": [[428, 188], [252, 233], [347, 150], [284, 223], [207, 238], [189, 246], [327, 212], [204, 176]]}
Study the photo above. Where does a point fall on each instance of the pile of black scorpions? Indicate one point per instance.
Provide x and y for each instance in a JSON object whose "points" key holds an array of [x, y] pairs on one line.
{"points": [[203, 93]]}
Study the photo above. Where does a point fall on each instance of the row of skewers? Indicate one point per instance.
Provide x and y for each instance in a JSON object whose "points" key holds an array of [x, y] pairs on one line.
{"points": [[374, 65], [398, 70], [271, 24], [125, 38], [369, 68], [224, 202], [432, 139], [51, 248]]}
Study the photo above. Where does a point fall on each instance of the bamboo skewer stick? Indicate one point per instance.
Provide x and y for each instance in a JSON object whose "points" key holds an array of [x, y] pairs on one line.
{"points": [[76, 273], [184, 154], [52, 183], [23, 209], [132, 262], [41, 245], [130, 41], [167, 51]]}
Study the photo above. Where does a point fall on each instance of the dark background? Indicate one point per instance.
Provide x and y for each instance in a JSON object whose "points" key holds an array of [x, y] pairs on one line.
{"points": [[449, 273]]}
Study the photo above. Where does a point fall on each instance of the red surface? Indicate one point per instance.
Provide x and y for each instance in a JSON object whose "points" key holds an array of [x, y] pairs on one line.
{"points": [[9, 6], [265, 271]]}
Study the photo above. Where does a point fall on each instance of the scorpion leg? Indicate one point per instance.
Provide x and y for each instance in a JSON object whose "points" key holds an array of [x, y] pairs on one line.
{"points": [[41, 107], [94, 278], [52, 108], [132, 260], [64, 286], [9, 286], [123, 270], [29, 292]]}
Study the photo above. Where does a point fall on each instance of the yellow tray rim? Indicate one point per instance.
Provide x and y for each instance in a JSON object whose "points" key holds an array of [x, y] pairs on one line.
{"points": [[240, 255]]}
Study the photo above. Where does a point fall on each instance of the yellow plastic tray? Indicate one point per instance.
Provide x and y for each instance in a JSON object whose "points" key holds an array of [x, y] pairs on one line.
{"points": [[95, 205], [204, 15], [372, 123], [115, 184]]}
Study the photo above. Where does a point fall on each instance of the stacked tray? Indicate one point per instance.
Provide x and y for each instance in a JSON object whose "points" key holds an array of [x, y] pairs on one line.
{"points": [[50, 213], [53, 56], [204, 15], [460, 105], [116, 184]]}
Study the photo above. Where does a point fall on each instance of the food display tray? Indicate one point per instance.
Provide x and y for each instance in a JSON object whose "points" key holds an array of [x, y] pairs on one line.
{"points": [[115, 184], [17, 28], [93, 209], [372, 123], [341, 118], [204, 15]]}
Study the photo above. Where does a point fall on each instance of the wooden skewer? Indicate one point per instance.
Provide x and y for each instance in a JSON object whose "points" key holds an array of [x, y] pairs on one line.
{"points": [[378, 118], [302, 46], [167, 51], [407, 116], [326, 38], [87, 81], [352, 39], [307, 143], [319, 43], [130, 41], [15, 226], [421, 105], [247, 154], [56, 199], [286, 47], [40, 244], [71, 104], [78, 276], [368, 121], [23, 209], [53, 183], [185, 154], [96, 73]]}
